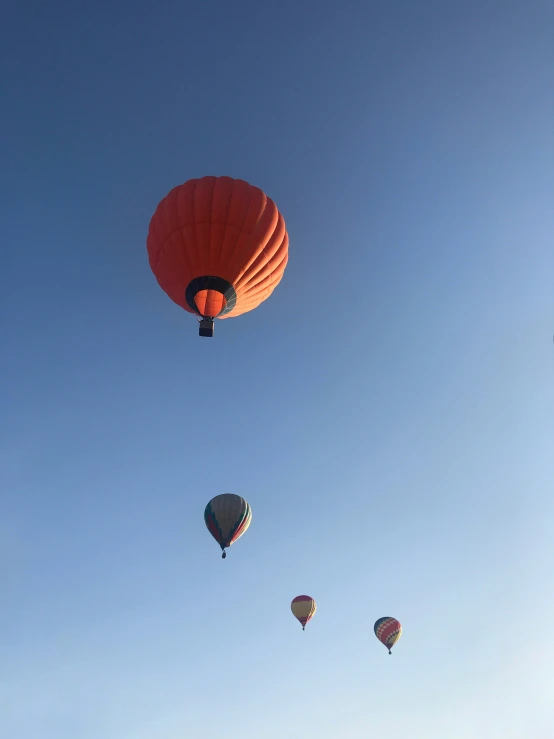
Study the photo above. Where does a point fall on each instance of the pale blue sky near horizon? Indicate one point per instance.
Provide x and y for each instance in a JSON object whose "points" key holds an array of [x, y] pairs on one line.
{"points": [[388, 412]]}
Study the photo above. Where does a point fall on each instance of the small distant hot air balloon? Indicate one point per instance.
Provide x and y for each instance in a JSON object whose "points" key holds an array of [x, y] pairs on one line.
{"points": [[227, 517], [303, 608], [388, 630], [218, 247]]}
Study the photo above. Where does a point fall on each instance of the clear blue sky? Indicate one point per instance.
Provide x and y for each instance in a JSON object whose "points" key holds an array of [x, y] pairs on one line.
{"points": [[388, 413]]}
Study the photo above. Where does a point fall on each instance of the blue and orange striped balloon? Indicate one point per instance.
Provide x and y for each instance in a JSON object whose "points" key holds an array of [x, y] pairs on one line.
{"points": [[388, 630]]}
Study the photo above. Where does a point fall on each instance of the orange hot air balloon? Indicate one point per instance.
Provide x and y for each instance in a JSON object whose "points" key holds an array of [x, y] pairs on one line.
{"points": [[303, 608], [218, 247]]}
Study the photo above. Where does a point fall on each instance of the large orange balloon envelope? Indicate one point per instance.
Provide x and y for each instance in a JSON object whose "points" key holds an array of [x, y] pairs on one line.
{"points": [[388, 630], [218, 247], [303, 608]]}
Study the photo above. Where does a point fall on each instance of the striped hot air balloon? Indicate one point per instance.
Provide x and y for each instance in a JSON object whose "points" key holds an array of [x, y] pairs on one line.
{"points": [[227, 517], [303, 608], [218, 247], [388, 630]]}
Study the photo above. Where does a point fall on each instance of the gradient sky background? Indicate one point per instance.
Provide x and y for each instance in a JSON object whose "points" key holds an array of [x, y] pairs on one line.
{"points": [[388, 412]]}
